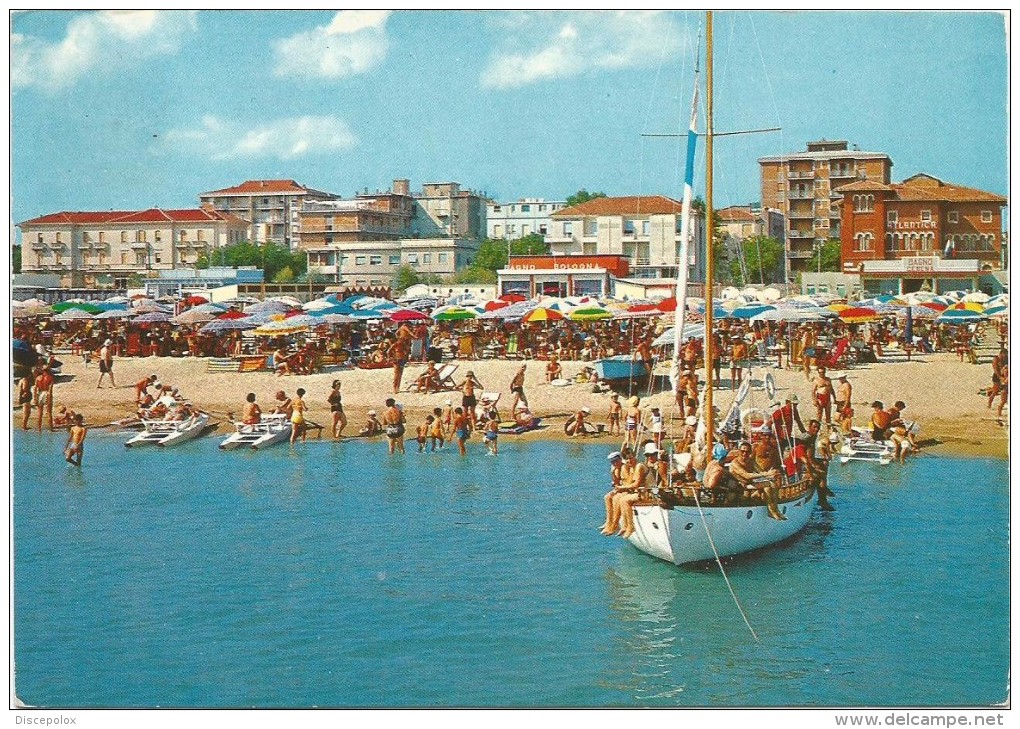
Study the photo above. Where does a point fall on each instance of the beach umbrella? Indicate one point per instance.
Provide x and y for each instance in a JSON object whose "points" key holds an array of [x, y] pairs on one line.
{"points": [[366, 314], [218, 326], [746, 312], [513, 298], [496, 304], [858, 315], [934, 306], [977, 297], [335, 319], [406, 315], [232, 314], [150, 308], [637, 314], [838, 307], [26, 311], [270, 305], [278, 328], [213, 309], [1000, 310], [691, 331], [959, 316], [288, 300], [919, 312], [34, 302], [72, 314], [668, 304], [152, 317], [79, 305], [453, 313], [193, 317], [589, 314], [115, 314], [967, 306], [195, 300], [317, 304], [542, 314]]}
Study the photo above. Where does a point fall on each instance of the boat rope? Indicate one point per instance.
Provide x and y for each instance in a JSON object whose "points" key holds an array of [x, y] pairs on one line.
{"points": [[718, 561]]}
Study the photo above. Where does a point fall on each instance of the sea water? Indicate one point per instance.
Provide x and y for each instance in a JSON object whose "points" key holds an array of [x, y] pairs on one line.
{"points": [[334, 575]]}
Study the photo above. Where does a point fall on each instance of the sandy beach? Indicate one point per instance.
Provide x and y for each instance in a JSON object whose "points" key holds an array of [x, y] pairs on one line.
{"points": [[940, 391]]}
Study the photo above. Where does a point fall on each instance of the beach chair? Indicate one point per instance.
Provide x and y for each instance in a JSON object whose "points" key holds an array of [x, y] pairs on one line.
{"points": [[221, 364], [512, 348], [466, 347], [446, 377]]}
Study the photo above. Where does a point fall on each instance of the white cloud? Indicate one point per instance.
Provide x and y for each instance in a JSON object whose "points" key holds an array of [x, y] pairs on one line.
{"points": [[97, 41], [353, 42], [580, 42], [283, 139]]}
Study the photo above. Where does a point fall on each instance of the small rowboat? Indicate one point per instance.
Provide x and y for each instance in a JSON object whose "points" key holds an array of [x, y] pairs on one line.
{"points": [[169, 432], [621, 367], [270, 430]]}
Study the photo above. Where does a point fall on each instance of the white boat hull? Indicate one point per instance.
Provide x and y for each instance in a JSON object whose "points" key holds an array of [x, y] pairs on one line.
{"points": [[272, 430], [169, 433], [677, 534]]}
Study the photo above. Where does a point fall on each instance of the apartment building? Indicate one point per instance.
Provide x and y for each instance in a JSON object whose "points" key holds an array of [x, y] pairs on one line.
{"points": [[645, 229], [920, 231], [272, 208], [105, 248], [509, 221], [802, 186], [444, 209], [747, 221], [382, 216], [375, 262]]}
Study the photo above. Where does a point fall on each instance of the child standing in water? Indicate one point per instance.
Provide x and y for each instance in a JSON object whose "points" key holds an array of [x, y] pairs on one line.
{"points": [[492, 433], [76, 441], [438, 432]]}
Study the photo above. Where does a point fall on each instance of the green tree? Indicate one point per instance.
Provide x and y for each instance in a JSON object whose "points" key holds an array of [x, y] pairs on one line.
{"points": [[405, 278], [271, 258], [473, 275], [831, 255], [284, 275], [582, 196], [532, 244], [491, 254], [15, 258], [763, 257]]}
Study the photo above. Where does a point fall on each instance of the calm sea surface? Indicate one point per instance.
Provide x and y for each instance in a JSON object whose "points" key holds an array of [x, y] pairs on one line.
{"points": [[334, 575]]}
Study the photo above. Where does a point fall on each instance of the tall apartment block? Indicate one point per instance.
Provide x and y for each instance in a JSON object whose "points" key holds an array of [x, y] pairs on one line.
{"points": [[803, 184]]}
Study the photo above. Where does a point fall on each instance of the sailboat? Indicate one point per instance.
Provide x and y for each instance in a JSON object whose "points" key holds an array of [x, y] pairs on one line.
{"points": [[683, 522]]}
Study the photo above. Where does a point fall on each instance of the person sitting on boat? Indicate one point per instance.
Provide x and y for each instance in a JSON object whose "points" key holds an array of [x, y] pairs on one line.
{"points": [[373, 426], [616, 463], [904, 441], [251, 414], [881, 420], [745, 470], [553, 370], [643, 477], [146, 402], [283, 405], [896, 413]]}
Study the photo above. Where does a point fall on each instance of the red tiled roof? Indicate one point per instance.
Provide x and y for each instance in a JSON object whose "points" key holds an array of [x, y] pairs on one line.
{"points": [[152, 215], [925, 187], [736, 214], [638, 205], [259, 187]]}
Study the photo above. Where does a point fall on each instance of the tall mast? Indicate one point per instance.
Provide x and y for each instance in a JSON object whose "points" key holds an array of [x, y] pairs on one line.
{"points": [[709, 234]]}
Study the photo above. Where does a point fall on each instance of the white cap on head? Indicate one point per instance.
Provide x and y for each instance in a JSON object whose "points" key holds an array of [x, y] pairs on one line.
{"points": [[585, 409], [371, 412], [614, 455], [651, 449]]}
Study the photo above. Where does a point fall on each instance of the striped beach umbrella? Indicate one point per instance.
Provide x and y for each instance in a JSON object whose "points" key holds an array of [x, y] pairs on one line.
{"points": [[959, 316], [542, 314], [858, 315], [453, 313], [73, 314], [153, 317], [589, 314], [218, 326]]}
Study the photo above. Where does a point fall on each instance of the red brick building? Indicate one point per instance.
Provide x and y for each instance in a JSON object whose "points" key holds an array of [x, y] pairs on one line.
{"points": [[919, 218]]}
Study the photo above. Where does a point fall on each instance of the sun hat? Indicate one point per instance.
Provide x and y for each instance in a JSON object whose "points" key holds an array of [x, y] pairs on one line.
{"points": [[371, 412], [634, 400], [614, 455], [651, 449], [585, 409]]}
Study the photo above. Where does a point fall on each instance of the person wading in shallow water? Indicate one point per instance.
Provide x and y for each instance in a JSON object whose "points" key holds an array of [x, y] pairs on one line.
{"points": [[76, 441], [393, 422]]}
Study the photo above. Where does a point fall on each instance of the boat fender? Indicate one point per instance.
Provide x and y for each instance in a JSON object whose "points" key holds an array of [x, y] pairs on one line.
{"points": [[770, 386]]}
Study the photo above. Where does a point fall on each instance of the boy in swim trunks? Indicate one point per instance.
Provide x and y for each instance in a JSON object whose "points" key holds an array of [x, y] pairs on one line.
{"points": [[76, 442], [492, 433], [615, 410], [437, 432], [461, 429]]}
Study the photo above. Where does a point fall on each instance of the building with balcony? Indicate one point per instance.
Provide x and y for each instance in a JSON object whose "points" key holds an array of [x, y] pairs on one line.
{"points": [[802, 186], [562, 275], [920, 233], [376, 262], [380, 216], [645, 229], [509, 221], [272, 208], [104, 248], [444, 210]]}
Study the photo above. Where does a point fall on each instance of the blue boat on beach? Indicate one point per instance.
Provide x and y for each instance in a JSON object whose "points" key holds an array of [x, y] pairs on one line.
{"points": [[620, 368]]}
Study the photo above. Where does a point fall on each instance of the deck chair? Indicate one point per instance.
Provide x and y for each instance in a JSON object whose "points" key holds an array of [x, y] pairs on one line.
{"points": [[512, 348], [446, 377], [221, 364], [466, 347]]}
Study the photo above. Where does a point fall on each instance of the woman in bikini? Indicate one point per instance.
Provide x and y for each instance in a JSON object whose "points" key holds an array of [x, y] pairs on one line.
{"points": [[297, 417], [336, 408]]}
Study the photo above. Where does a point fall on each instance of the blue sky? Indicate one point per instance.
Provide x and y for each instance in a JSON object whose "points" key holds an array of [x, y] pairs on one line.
{"points": [[132, 110]]}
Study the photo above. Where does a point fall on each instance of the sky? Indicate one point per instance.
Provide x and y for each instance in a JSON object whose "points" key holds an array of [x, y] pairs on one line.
{"points": [[130, 110]]}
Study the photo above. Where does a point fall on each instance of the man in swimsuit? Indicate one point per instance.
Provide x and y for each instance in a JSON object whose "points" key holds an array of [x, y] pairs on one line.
{"points": [[738, 360], [745, 470], [633, 417], [492, 433], [106, 363], [437, 432], [822, 394], [284, 406], [615, 410], [393, 421], [25, 397], [44, 396], [469, 400], [844, 394], [553, 370], [76, 442], [517, 388], [815, 459], [880, 421], [460, 429], [142, 387]]}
